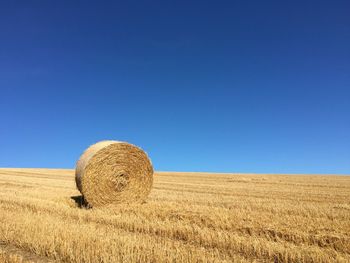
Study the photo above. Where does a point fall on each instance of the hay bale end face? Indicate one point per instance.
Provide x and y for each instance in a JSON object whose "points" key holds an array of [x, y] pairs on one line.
{"points": [[114, 172]]}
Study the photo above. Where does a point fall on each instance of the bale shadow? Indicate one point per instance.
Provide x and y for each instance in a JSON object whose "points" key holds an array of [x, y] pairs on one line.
{"points": [[80, 201]]}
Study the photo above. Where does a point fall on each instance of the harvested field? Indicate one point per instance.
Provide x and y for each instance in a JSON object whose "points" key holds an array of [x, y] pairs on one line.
{"points": [[188, 217]]}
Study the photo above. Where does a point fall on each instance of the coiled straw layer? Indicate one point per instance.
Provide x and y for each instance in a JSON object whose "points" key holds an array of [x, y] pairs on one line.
{"points": [[114, 172]]}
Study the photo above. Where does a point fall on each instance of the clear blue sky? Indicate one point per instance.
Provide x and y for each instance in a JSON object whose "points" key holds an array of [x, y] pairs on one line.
{"points": [[226, 86]]}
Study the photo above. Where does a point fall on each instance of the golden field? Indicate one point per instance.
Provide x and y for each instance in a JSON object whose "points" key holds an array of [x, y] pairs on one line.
{"points": [[189, 217]]}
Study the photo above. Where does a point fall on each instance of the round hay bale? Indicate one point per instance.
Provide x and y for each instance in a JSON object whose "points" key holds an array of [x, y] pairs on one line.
{"points": [[113, 172]]}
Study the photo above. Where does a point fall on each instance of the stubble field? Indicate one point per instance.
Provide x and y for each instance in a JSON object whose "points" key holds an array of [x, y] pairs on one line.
{"points": [[189, 217]]}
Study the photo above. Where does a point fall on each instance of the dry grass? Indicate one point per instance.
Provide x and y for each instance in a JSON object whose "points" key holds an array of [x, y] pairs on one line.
{"points": [[188, 218]]}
